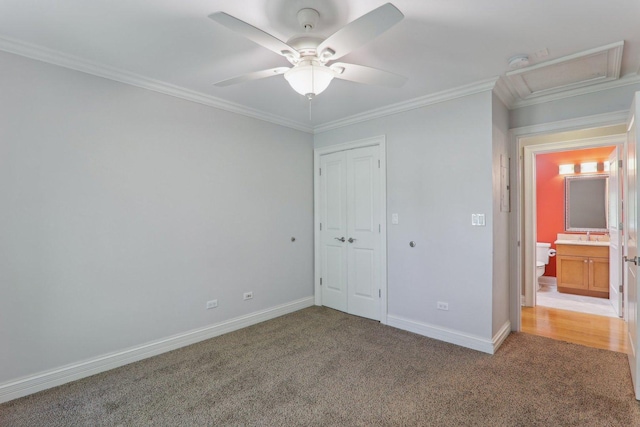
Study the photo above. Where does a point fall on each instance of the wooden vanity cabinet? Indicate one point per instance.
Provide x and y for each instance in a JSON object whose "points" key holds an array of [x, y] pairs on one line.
{"points": [[583, 270]]}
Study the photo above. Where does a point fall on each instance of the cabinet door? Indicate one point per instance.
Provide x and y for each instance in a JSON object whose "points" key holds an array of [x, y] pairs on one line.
{"points": [[599, 274], [573, 272]]}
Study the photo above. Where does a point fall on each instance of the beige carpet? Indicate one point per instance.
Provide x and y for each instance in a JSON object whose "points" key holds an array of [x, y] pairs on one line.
{"points": [[319, 367]]}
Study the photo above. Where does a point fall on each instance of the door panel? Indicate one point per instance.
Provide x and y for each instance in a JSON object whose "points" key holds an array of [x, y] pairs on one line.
{"points": [[615, 254], [363, 218], [333, 199], [631, 239]]}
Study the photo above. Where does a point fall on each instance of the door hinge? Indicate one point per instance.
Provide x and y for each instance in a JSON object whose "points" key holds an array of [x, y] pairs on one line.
{"points": [[378, 164], [621, 290], [320, 171], [320, 226], [321, 281], [379, 293], [620, 164], [379, 228]]}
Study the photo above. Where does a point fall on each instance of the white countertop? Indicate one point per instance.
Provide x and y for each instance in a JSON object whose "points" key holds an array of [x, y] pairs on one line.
{"points": [[581, 242]]}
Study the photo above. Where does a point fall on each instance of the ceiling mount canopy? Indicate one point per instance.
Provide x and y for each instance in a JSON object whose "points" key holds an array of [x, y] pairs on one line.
{"points": [[311, 71]]}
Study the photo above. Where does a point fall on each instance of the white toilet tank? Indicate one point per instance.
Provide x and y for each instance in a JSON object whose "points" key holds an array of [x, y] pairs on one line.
{"points": [[542, 252]]}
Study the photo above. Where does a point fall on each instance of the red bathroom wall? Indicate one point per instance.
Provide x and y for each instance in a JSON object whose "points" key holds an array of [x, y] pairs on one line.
{"points": [[550, 192]]}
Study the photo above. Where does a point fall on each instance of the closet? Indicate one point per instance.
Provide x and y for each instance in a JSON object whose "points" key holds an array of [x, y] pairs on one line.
{"points": [[350, 231]]}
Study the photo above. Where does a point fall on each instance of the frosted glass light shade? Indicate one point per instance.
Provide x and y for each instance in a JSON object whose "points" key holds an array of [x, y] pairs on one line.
{"points": [[566, 169], [589, 167], [309, 78]]}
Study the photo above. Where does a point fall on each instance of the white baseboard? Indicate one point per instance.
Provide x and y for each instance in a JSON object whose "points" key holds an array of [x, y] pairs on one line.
{"points": [[55, 377], [450, 335]]}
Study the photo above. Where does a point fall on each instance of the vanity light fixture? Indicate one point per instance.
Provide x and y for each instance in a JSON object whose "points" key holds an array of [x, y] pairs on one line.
{"points": [[589, 167], [567, 169]]}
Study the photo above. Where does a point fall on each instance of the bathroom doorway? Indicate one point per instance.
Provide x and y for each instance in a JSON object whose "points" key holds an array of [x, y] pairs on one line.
{"points": [[550, 320], [554, 171]]}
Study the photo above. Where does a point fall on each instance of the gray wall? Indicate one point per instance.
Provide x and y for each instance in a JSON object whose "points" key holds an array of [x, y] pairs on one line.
{"points": [[439, 172], [125, 210]]}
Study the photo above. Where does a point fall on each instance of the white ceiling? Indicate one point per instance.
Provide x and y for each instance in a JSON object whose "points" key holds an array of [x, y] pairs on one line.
{"points": [[440, 45]]}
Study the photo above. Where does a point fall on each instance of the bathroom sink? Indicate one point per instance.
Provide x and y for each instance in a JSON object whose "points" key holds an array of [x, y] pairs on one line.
{"points": [[580, 242]]}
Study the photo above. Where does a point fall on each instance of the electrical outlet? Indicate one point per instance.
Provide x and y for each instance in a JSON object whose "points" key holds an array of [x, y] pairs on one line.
{"points": [[443, 305], [247, 295], [212, 304]]}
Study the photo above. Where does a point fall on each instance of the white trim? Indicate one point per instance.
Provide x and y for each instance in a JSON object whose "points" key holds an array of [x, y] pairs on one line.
{"points": [[632, 79], [517, 242], [380, 141], [451, 336], [411, 104], [75, 63], [502, 335], [55, 377]]}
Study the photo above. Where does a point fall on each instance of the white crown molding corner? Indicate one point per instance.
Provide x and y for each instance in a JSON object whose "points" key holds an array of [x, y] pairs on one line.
{"points": [[58, 58], [504, 92], [502, 335], [55, 377], [400, 107], [447, 335]]}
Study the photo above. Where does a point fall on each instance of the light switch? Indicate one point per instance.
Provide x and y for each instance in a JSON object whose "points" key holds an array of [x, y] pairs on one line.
{"points": [[478, 220], [394, 218]]}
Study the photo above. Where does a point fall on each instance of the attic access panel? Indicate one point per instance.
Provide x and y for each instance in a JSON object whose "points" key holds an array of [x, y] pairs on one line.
{"points": [[586, 68]]}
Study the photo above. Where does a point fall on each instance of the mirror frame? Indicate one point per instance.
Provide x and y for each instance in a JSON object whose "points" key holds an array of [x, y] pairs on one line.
{"points": [[567, 205]]}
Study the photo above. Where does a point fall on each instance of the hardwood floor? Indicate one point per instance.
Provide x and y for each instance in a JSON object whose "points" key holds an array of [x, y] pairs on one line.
{"points": [[590, 330]]}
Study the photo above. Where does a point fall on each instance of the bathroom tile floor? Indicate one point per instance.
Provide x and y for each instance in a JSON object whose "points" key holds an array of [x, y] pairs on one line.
{"points": [[548, 296]]}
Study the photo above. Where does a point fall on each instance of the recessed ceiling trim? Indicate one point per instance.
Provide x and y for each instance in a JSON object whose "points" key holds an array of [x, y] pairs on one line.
{"points": [[423, 101], [594, 66], [54, 57]]}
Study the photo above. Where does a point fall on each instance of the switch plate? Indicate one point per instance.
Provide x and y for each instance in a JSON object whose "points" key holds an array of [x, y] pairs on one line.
{"points": [[394, 218], [478, 220], [247, 295], [212, 304]]}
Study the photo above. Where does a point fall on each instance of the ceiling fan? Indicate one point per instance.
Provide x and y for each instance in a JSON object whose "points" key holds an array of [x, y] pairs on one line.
{"points": [[312, 58]]}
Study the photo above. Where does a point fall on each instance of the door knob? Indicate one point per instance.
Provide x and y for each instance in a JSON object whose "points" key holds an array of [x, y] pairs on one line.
{"points": [[633, 260], [351, 240], [339, 238]]}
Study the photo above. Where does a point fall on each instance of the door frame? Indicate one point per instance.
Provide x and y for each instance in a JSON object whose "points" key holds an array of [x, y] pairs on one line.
{"points": [[381, 142], [522, 228]]}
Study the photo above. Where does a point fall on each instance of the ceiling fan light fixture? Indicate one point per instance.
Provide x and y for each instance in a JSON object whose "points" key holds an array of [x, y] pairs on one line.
{"points": [[309, 78]]}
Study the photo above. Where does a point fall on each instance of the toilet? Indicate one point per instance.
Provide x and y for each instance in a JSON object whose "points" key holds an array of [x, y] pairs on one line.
{"points": [[543, 252]]}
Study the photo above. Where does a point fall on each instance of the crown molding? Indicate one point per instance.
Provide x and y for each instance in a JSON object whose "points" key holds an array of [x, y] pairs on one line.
{"points": [[400, 107], [55, 57], [504, 92], [627, 80]]}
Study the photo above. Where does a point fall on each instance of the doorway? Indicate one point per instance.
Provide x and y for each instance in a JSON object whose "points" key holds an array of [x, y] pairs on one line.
{"points": [[529, 144], [590, 196], [350, 227]]}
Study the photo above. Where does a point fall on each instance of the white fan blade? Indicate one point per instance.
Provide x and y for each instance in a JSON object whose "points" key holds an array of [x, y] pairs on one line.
{"points": [[359, 32], [254, 34], [253, 76], [367, 75]]}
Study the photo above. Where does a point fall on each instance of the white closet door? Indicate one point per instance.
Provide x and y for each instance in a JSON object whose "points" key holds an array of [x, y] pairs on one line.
{"points": [[363, 229], [350, 237], [333, 191]]}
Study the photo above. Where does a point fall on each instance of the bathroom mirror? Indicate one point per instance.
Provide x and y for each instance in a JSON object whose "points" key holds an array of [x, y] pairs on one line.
{"points": [[585, 202]]}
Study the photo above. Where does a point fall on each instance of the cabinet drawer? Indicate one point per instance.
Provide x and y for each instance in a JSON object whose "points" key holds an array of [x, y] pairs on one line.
{"points": [[583, 250]]}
